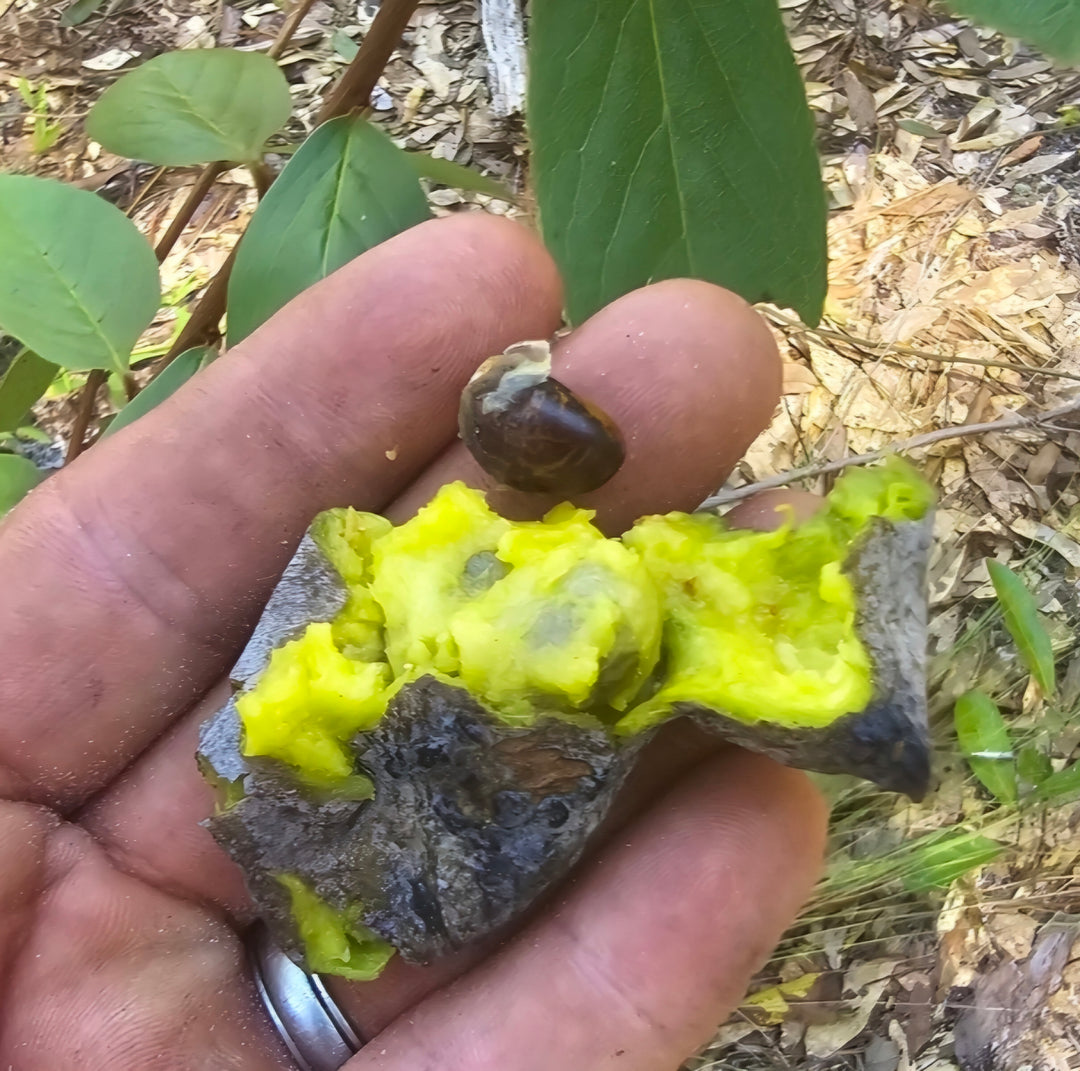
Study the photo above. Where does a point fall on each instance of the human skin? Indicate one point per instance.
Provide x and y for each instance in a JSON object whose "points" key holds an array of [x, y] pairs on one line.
{"points": [[129, 581]]}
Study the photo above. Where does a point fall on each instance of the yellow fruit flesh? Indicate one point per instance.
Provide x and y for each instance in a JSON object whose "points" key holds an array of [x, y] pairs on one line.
{"points": [[551, 616], [335, 942]]}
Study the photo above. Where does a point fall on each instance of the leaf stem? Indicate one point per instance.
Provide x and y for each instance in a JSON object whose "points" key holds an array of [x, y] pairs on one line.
{"points": [[1006, 425], [354, 88], [210, 172], [207, 178], [87, 397], [202, 328], [289, 27]]}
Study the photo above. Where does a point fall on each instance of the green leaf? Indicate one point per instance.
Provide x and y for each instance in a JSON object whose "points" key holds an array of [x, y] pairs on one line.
{"points": [[943, 857], [193, 107], [348, 188], [344, 45], [26, 380], [448, 173], [1033, 765], [917, 126], [984, 740], [1024, 623], [673, 138], [77, 13], [78, 282], [17, 476], [178, 372], [1064, 782], [1050, 25]]}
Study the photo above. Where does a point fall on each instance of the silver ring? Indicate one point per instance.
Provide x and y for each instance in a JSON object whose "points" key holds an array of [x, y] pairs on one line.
{"points": [[314, 1029]]}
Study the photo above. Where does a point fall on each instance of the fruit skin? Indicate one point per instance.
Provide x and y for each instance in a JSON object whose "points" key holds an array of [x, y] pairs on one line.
{"points": [[471, 821], [532, 433], [467, 828], [888, 743]]}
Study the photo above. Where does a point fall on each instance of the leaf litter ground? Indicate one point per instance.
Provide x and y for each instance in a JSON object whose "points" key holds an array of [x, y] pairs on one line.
{"points": [[952, 161]]}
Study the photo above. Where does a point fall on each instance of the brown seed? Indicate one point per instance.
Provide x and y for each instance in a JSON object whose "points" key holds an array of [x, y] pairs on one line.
{"points": [[531, 432]]}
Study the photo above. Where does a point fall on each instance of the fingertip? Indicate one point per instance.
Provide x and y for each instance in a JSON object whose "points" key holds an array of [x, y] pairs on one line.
{"points": [[768, 510], [706, 350], [690, 374], [526, 268]]}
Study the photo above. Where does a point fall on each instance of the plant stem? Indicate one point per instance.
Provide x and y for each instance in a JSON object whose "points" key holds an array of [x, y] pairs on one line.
{"points": [[963, 431], [210, 172], [288, 28], [353, 89], [207, 178], [87, 397], [202, 328], [262, 174]]}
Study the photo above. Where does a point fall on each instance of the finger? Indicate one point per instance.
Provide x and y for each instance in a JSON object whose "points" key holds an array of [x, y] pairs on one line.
{"points": [[649, 951], [113, 974], [770, 509], [129, 580], [678, 748], [149, 819], [690, 374], [697, 380]]}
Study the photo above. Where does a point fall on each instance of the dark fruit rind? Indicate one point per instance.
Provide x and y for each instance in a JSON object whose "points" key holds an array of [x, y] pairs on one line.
{"points": [[471, 820], [888, 742], [532, 433], [454, 798]]}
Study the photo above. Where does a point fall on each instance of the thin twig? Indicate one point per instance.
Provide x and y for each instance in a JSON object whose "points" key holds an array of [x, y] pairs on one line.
{"points": [[207, 178], [147, 186], [883, 349], [202, 328], [85, 410], [289, 27], [1005, 424], [354, 88]]}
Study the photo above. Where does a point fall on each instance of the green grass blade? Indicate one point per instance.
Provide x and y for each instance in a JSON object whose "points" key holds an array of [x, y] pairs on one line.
{"points": [[1024, 623]]}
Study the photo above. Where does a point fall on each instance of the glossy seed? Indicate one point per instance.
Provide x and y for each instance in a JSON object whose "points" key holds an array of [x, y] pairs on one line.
{"points": [[532, 433]]}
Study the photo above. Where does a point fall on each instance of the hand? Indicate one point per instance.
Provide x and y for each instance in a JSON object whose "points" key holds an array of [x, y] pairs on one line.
{"points": [[130, 581]]}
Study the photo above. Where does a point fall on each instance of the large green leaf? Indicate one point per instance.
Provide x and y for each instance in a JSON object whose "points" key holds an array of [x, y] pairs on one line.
{"points": [[1050, 25], [182, 368], [192, 107], [673, 138], [17, 476], [78, 282], [346, 189], [26, 380]]}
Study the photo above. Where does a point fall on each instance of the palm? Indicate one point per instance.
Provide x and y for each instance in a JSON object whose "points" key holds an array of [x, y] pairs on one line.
{"points": [[130, 581]]}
